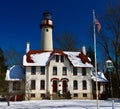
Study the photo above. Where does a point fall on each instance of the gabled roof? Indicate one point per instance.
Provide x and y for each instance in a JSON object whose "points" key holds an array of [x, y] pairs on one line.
{"points": [[78, 59], [15, 73], [36, 58], [42, 58]]}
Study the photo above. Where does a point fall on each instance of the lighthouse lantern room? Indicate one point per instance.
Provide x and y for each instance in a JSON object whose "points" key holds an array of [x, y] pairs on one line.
{"points": [[46, 32]]}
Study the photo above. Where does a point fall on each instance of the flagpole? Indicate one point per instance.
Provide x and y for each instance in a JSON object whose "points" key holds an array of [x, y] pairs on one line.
{"points": [[95, 58]]}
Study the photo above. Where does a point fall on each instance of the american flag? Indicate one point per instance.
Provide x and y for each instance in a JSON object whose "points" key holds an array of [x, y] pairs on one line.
{"points": [[98, 25]]}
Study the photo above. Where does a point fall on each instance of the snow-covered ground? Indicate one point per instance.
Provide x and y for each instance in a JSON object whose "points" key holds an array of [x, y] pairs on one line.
{"points": [[60, 104]]}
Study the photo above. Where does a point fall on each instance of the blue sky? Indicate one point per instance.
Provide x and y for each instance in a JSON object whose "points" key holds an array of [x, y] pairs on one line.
{"points": [[20, 19]]}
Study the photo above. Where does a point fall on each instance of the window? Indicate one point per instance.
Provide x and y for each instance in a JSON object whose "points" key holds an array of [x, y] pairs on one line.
{"points": [[84, 95], [74, 70], [75, 95], [57, 58], [42, 70], [42, 84], [16, 85], [33, 70], [84, 83], [32, 95], [62, 58], [47, 30], [54, 70], [42, 95], [64, 70], [83, 71], [32, 84], [75, 85]]}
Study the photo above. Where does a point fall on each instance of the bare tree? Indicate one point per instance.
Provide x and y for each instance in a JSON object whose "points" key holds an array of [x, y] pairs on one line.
{"points": [[27, 89], [90, 54], [13, 57], [109, 38], [67, 42], [5, 93]]}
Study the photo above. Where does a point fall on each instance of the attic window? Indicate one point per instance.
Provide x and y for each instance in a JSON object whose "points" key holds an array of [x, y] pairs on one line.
{"points": [[57, 58], [62, 58]]}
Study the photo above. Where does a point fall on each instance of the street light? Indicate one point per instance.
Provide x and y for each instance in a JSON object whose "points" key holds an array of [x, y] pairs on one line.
{"points": [[109, 68]]}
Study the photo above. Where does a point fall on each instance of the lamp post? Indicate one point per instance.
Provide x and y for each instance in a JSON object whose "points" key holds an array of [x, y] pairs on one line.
{"points": [[109, 68]]}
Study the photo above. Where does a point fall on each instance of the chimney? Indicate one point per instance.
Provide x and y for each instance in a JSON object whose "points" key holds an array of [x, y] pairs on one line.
{"points": [[84, 50], [27, 47]]}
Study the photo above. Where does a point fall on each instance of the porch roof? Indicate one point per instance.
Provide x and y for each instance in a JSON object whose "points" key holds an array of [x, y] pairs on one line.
{"points": [[15, 73], [100, 77]]}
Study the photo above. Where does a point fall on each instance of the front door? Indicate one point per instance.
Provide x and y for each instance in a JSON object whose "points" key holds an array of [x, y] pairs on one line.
{"points": [[64, 86], [55, 84]]}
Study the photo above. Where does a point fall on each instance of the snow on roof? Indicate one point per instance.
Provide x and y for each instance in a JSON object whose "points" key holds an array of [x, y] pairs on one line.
{"points": [[40, 58], [78, 60], [100, 76], [15, 73]]}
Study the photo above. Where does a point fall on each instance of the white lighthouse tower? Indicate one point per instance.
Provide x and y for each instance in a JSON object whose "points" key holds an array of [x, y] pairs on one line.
{"points": [[46, 32]]}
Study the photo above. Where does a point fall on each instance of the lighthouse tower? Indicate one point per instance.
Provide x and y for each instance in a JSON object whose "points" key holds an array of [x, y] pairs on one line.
{"points": [[46, 32]]}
